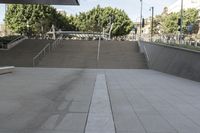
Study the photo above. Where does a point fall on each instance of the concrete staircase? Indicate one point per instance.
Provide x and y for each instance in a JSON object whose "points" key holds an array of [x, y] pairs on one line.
{"points": [[22, 54], [121, 55], [83, 54]]}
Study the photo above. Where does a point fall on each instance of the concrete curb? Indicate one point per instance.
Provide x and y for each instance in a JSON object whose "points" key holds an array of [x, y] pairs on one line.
{"points": [[5, 70]]}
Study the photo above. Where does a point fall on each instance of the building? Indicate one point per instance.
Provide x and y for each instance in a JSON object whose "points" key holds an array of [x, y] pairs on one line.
{"points": [[176, 7], [49, 2]]}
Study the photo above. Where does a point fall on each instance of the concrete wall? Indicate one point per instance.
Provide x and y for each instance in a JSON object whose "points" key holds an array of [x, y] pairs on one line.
{"points": [[172, 60]]}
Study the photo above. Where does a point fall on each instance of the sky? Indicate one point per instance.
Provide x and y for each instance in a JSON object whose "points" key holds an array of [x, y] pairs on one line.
{"points": [[131, 7]]}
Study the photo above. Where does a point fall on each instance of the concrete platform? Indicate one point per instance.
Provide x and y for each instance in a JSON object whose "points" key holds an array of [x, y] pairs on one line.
{"points": [[51, 100]]}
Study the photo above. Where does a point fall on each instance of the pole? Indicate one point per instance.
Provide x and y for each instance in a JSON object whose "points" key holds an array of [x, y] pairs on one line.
{"points": [[181, 26], [141, 18], [152, 18], [98, 47], [5, 29]]}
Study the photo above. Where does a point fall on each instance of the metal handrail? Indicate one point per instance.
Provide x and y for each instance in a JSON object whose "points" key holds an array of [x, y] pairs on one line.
{"points": [[43, 51], [50, 48], [98, 48], [172, 39], [55, 44]]}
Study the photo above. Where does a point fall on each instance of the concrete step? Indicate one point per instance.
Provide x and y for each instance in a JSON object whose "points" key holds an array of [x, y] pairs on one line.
{"points": [[82, 54], [23, 53]]}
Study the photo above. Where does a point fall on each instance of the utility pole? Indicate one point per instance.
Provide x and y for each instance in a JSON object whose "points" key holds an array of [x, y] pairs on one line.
{"points": [[5, 26], [141, 18], [181, 26], [152, 19]]}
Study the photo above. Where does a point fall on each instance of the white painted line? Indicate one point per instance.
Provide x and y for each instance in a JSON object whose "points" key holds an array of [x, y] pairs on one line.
{"points": [[100, 119]]}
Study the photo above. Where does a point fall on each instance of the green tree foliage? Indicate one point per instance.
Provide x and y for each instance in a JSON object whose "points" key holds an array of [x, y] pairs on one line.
{"points": [[168, 23], [99, 18], [39, 19], [34, 18], [64, 22]]}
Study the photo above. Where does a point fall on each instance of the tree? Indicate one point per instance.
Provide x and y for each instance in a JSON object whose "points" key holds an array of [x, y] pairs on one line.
{"points": [[64, 22], [30, 18], [99, 18], [169, 22]]}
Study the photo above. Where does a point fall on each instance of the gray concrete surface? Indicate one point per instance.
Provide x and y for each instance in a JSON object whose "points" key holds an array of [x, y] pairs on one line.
{"points": [[100, 119], [50, 100], [176, 61]]}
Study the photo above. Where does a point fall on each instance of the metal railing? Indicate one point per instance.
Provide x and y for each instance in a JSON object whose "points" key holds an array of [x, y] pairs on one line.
{"points": [[98, 48], [42, 53], [47, 49], [172, 40], [82, 34], [57, 42]]}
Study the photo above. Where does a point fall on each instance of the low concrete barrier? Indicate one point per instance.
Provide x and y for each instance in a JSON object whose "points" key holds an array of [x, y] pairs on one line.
{"points": [[4, 70], [173, 60], [13, 43]]}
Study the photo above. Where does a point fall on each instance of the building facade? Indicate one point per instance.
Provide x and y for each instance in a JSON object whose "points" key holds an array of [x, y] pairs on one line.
{"points": [[176, 7]]}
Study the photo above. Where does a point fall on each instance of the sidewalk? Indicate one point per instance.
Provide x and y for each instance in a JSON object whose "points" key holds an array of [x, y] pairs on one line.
{"points": [[51, 100]]}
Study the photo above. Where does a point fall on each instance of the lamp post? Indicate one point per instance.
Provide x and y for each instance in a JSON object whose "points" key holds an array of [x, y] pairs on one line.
{"points": [[181, 26], [141, 18], [5, 26], [152, 19], [111, 18], [28, 26]]}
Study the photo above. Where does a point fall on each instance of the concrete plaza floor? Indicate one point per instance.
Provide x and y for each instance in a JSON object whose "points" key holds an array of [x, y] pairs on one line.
{"points": [[51, 100]]}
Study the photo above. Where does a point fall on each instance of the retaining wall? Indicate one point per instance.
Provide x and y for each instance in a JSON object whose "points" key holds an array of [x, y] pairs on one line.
{"points": [[173, 60]]}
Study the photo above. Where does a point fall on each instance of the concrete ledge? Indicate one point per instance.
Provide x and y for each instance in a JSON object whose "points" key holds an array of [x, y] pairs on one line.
{"points": [[173, 60], [4, 70], [14, 43]]}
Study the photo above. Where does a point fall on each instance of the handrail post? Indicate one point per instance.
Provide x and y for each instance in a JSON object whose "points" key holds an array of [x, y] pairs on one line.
{"points": [[33, 63], [99, 44]]}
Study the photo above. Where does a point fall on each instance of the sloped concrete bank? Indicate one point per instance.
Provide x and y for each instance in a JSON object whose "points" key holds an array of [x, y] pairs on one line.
{"points": [[173, 60]]}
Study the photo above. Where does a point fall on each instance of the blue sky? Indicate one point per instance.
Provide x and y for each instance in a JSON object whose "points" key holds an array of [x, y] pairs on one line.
{"points": [[131, 7]]}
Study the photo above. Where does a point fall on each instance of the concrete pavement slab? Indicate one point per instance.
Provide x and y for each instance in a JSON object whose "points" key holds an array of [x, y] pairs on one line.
{"points": [[51, 100]]}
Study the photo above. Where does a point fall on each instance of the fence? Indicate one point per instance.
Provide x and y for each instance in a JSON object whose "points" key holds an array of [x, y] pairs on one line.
{"points": [[172, 39]]}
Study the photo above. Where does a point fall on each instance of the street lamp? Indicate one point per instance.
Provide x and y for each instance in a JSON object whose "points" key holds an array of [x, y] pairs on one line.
{"points": [[141, 18], [28, 26], [5, 26], [181, 25], [152, 18]]}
